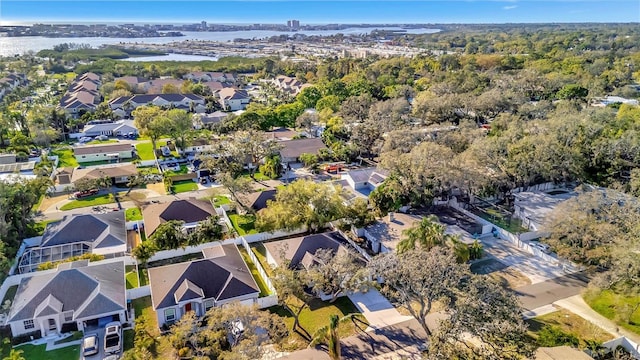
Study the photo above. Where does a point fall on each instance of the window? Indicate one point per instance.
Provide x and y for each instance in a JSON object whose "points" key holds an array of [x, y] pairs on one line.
{"points": [[82, 156], [68, 316], [208, 304], [170, 314], [28, 324]]}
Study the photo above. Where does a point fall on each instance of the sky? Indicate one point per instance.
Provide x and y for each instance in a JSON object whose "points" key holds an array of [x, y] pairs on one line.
{"points": [[320, 12]]}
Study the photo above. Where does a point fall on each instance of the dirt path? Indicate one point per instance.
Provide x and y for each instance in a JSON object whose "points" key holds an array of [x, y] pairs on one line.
{"points": [[48, 202]]}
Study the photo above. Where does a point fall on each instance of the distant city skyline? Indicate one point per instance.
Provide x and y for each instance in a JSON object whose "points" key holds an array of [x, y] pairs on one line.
{"points": [[319, 12]]}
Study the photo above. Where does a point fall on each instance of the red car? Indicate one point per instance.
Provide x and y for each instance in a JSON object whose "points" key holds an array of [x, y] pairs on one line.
{"points": [[85, 193]]}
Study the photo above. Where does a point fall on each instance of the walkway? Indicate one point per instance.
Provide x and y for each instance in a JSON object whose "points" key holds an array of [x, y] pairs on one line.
{"points": [[377, 309], [578, 306]]}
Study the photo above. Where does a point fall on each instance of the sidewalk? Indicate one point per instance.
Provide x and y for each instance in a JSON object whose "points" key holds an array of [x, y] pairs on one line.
{"points": [[378, 311], [576, 305]]}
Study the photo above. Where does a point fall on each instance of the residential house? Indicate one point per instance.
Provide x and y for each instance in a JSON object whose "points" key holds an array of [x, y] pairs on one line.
{"points": [[292, 149], [199, 145], [104, 152], [11, 81], [384, 235], [233, 99], [364, 181], [156, 86], [220, 278], [215, 86], [532, 207], [208, 120], [12, 170], [75, 296], [111, 128], [207, 76], [190, 211], [282, 134], [75, 235], [118, 173], [136, 83], [300, 252], [124, 105], [82, 95], [289, 85], [258, 200]]}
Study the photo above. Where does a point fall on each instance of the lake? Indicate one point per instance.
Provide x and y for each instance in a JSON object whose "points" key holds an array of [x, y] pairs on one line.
{"points": [[10, 46]]}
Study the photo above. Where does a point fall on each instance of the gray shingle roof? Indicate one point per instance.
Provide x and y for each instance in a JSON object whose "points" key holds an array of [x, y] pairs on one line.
{"points": [[189, 211], [87, 290], [100, 230], [300, 251], [221, 278], [295, 148]]}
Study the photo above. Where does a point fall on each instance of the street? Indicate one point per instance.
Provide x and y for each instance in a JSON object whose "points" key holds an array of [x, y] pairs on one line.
{"points": [[547, 292]]}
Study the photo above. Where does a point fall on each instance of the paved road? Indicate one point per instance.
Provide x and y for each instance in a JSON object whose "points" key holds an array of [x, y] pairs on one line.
{"points": [[550, 291]]}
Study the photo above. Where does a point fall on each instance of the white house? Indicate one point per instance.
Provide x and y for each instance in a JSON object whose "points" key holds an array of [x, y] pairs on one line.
{"points": [[206, 76], [105, 152], [180, 101], [74, 296], [220, 278], [233, 99], [364, 181], [111, 128]]}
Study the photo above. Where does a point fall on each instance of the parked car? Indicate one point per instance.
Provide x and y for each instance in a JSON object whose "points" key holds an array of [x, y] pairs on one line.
{"points": [[102, 137], [540, 246], [85, 193], [90, 345], [112, 338], [84, 139]]}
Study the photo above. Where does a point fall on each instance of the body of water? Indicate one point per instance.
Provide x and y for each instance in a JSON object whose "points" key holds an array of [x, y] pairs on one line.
{"points": [[10, 46], [172, 57]]}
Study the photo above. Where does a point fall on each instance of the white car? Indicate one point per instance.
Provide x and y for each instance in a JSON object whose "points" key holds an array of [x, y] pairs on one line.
{"points": [[540, 246], [112, 337]]}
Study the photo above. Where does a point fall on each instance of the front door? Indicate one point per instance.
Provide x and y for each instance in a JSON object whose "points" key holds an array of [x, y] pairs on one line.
{"points": [[187, 308], [51, 326]]}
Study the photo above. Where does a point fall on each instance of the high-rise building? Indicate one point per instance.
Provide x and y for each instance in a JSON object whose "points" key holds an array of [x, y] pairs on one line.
{"points": [[204, 25], [293, 24]]}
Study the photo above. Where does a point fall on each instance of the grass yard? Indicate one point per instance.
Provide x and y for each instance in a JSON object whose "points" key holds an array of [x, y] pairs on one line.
{"points": [[133, 214], [316, 316], [65, 157], [243, 224], [128, 336], [161, 348], [33, 352], [131, 277], [264, 290], [145, 150], [96, 163], [184, 186], [96, 142], [261, 254], [570, 323], [143, 277], [618, 308], [38, 228], [513, 226], [220, 200], [76, 335], [257, 175], [94, 200]]}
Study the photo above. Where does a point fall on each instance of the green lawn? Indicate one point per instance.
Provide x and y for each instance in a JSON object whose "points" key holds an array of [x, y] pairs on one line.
{"points": [[133, 214], [143, 277], [569, 323], [65, 157], [132, 279], [616, 307], [89, 201], [316, 316], [257, 175], [96, 142], [96, 163], [513, 225], [161, 348], [76, 335], [184, 186], [37, 229], [264, 290], [261, 254], [33, 352], [220, 200], [145, 150], [128, 336], [244, 224]]}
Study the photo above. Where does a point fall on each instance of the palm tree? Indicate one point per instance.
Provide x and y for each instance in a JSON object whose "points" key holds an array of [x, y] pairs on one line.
{"points": [[328, 335], [427, 234]]}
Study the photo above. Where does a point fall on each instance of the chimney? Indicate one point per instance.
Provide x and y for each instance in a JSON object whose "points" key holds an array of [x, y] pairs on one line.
{"points": [[391, 218]]}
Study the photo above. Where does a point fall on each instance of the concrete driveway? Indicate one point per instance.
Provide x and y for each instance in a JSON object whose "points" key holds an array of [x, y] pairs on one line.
{"points": [[533, 267], [377, 309]]}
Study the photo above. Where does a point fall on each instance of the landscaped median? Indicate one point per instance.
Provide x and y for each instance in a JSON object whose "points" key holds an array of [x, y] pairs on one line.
{"points": [[94, 200]]}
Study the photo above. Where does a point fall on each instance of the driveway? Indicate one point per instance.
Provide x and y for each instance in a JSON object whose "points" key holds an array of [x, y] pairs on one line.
{"points": [[533, 267], [545, 293], [377, 309]]}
